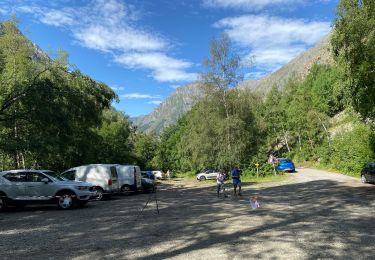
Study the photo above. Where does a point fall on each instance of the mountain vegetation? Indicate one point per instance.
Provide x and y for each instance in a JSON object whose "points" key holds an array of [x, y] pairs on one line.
{"points": [[324, 117], [52, 116]]}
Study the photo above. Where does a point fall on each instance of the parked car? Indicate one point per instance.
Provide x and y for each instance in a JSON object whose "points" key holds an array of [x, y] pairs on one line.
{"points": [[148, 174], [158, 174], [103, 176], [129, 178], [368, 173], [285, 165], [148, 185], [22, 187], [207, 175]]}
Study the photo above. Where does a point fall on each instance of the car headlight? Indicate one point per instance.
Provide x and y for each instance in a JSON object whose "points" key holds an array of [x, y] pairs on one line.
{"points": [[82, 188]]}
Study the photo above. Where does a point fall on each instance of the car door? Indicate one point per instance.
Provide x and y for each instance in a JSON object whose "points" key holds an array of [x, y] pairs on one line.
{"points": [[36, 189], [212, 174], [16, 188]]}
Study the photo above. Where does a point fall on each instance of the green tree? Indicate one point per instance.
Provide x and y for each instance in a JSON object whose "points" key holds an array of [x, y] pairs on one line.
{"points": [[353, 43]]}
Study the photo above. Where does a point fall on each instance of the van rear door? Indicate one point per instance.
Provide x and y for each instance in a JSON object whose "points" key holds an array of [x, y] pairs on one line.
{"points": [[114, 177], [138, 177]]}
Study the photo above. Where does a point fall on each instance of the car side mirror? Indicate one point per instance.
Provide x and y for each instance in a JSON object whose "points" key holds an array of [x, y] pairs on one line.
{"points": [[45, 180]]}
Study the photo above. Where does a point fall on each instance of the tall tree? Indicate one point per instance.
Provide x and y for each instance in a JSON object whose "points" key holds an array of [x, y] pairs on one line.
{"points": [[222, 74], [353, 42]]}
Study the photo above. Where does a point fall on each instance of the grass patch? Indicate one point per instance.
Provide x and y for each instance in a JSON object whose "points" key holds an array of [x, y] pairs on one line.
{"points": [[270, 178], [187, 175], [244, 178]]}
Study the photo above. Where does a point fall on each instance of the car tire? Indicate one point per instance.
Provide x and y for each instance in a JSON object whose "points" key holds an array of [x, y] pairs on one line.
{"points": [[202, 178], [3, 203], [363, 178], [99, 194], [126, 189], [66, 200]]}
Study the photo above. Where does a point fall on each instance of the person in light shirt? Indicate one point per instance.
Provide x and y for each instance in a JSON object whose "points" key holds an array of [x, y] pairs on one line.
{"points": [[220, 183]]}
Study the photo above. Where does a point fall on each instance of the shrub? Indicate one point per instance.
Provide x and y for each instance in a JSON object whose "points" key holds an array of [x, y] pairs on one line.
{"points": [[352, 149]]}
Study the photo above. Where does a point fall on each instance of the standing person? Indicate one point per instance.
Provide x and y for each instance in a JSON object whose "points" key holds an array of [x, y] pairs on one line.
{"points": [[220, 183], [236, 178]]}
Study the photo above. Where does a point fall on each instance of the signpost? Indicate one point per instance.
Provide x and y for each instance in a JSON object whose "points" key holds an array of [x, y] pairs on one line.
{"points": [[257, 166]]}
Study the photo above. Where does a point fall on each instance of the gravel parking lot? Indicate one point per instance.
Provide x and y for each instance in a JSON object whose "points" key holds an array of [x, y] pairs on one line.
{"points": [[311, 215]]}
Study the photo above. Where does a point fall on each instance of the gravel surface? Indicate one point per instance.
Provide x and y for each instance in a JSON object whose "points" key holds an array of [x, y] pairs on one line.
{"points": [[311, 215]]}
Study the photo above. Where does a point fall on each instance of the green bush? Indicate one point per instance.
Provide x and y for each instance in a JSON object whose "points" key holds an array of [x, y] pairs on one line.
{"points": [[352, 149], [265, 169]]}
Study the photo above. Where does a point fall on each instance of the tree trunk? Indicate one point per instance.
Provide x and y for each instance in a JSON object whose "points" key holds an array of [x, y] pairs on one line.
{"points": [[299, 142], [228, 126], [325, 129], [286, 139]]}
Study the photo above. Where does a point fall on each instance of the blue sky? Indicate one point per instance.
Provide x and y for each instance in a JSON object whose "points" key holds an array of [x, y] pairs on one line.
{"points": [[144, 49]]}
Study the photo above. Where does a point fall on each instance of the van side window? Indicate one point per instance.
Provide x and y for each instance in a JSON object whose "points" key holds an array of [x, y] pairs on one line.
{"points": [[113, 172], [70, 175]]}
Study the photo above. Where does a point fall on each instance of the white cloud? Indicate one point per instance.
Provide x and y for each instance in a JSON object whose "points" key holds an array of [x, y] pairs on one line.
{"points": [[139, 96], [3, 11], [273, 40], [57, 18], [155, 102], [248, 4], [117, 88], [255, 75], [110, 26], [164, 68], [175, 86]]}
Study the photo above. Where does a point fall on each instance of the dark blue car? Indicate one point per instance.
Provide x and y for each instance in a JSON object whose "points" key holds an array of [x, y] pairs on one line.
{"points": [[285, 165]]}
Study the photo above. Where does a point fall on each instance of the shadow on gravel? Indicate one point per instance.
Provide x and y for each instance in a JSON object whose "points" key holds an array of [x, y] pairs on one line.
{"points": [[317, 219]]}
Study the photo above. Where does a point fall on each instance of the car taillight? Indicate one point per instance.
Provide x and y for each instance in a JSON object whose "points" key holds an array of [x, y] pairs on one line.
{"points": [[110, 182]]}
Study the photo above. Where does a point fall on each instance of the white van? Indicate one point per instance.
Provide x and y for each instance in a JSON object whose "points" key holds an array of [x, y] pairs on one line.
{"points": [[103, 176], [129, 178]]}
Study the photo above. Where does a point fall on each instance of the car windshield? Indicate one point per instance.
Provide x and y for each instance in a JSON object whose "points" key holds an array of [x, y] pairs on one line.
{"points": [[285, 161], [56, 176]]}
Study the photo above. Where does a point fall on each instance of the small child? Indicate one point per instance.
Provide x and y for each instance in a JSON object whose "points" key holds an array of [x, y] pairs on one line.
{"points": [[254, 203]]}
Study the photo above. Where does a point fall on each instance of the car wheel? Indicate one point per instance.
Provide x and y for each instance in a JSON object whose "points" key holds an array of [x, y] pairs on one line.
{"points": [[99, 194], [126, 189], [363, 178], [202, 178], [66, 200], [3, 204]]}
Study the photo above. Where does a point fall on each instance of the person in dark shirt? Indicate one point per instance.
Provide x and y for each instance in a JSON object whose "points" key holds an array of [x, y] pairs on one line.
{"points": [[236, 179]]}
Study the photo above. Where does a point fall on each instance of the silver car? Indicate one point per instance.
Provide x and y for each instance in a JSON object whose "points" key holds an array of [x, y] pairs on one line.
{"points": [[22, 187]]}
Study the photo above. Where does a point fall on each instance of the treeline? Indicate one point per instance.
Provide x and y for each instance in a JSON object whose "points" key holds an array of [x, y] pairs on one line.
{"points": [[326, 118], [52, 116]]}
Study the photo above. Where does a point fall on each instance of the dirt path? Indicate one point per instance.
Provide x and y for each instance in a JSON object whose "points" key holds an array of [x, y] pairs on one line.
{"points": [[313, 214]]}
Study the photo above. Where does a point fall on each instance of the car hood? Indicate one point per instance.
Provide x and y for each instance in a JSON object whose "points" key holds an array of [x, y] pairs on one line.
{"points": [[286, 164]]}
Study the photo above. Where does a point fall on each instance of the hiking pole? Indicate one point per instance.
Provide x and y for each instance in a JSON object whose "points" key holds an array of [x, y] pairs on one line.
{"points": [[156, 201]]}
